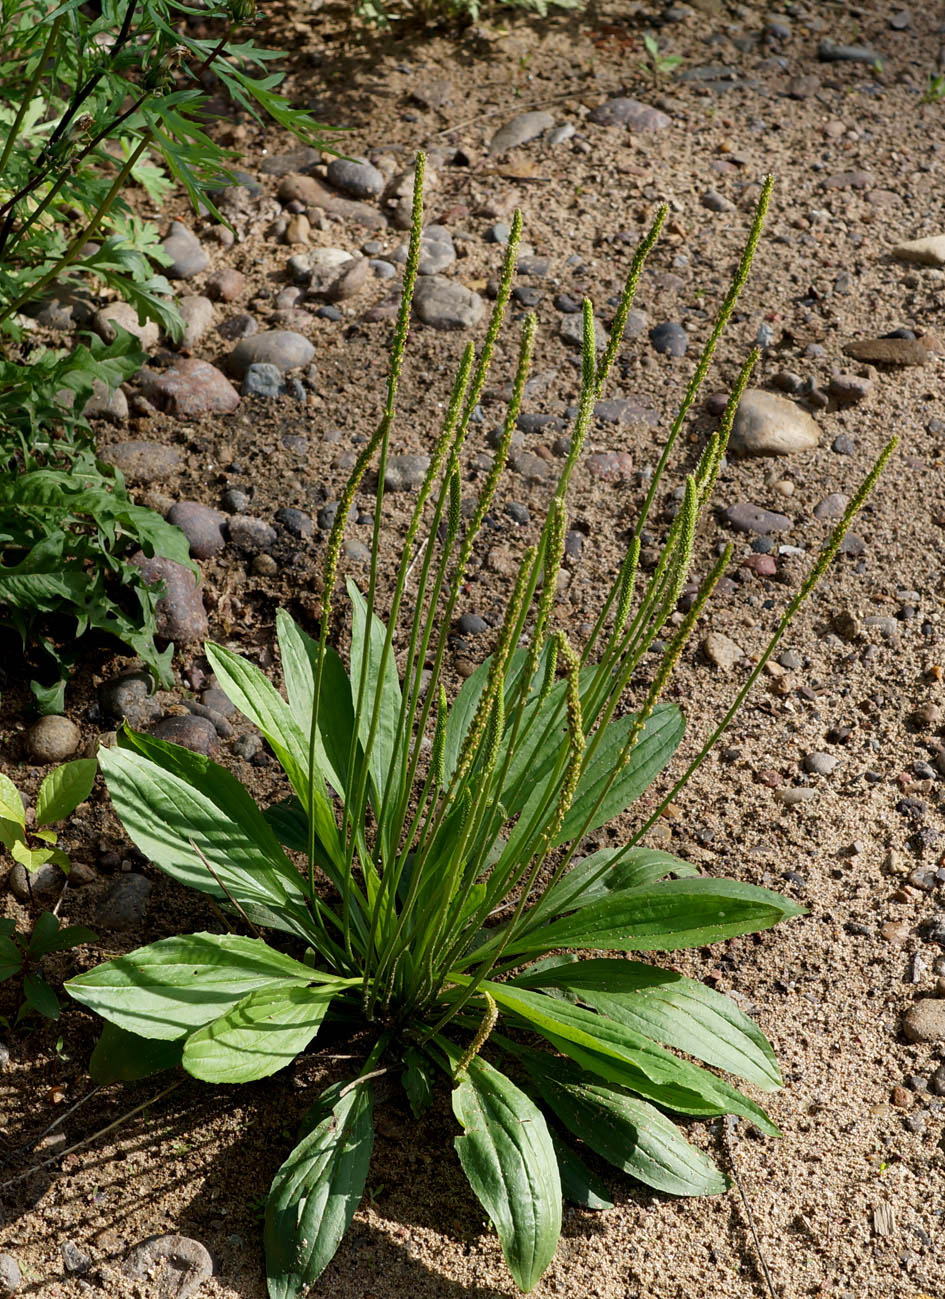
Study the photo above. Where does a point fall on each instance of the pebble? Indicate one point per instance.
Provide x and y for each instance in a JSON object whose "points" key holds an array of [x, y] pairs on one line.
{"points": [[471, 624], [251, 535], [848, 389], [925, 1021], [843, 446], [890, 351], [106, 404], [828, 52], [571, 331], [184, 249], [804, 86], [566, 304], [746, 517], [405, 473], [498, 233], [75, 1262], [820, 764], [188, 389], [197, 314], [383, 270], [262, 379], [794, 795], [356, 551], [716, 202], [357, 178], [247, 746], [129, 696], [10, 1277], [444, 304], [226, 284], [180, 612], [761, 565], [631, 411], [669, 338], [125, 903], [201, 525], [437, 251], [295, 521], [929, 251], [611, 466], [937, 1081], [279, 347], [769, 425], [242, 325], [848, 180], [561, 133], [125, 315], [175, 1267], [234, 501], [520, 130], [629, 113], [52, 739], [301, 159], [332, 313], [41, 885], [313, 193], [264, 565], [721, 651]]}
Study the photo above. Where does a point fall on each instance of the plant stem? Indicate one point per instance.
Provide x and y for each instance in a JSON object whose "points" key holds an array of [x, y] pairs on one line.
{"points": [[28, 94]]}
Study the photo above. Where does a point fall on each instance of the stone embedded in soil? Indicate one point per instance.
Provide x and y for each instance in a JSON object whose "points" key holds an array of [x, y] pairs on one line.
{"points": [[175, 1267], [890, 351], [761, 565], [611, 466], [925, 1021], [446, 304], [722, 651], [262, 379], [64, 311], [10, 1277], [180, 613], [106, 404], [129, 696], [929, 251], [42, 885], [828, 52], [356, 551], [571, 331], [281, 347], [313, 193], [301, 159], [295, 521], [217, 701], [472, 624], [629, 113], [142, 462], [251, 535], [189, 389], [201, 525], [831, 507], [226, 284], [197, 313], [820, 764], [184, 249], [848, 389], [125, 903], [356, 178], [406, 472], [437, 251], [125, 316], [746, 517], [242, 325], [51, 739], [669, 338], [195, 733], [769, 425], [74, 1261], [520, 130], [795, 795]]}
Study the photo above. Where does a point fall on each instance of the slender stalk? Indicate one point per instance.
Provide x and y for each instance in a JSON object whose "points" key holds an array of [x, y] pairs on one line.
{"points": [[28, 92]]}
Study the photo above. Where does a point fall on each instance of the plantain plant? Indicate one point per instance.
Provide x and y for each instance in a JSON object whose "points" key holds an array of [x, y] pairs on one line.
{"points": [[444, 906]]}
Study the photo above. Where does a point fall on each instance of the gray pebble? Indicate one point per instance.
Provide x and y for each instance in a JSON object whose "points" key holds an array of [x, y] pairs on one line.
{"points": [[567, 305], [280, 347], [195, 733], [250, 534], [295, 521], [520, 130], [197, 314], [716, 202], [41, 885], [571, 331], [561, 133], [498, 233], [52, 739], [359, 179], [242, 325], [247, 746], [526, 295], [790, 660], [828, 52], [180, 612], [235, 501], [10, 1276], [328, 312], [4, 1055], [471, 624], [746, 517], [832, 506], [73, 1260], [187, 256], [200, 524], [437, 251], [722, 651], [383, 270], [262, 379], [629, 113], [125, 904], [820, 764], [405, 472], [444, 304], [794, 796], [217, 701], [175, 1266], [669, 338], [356, 551], [843, 446], [129, 697], [517, 513]]}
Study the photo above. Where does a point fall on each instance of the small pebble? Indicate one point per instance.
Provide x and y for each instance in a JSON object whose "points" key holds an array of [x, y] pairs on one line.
{"points": [[200, 524], [10, 1276], [669, 338], [820, 764], [125, 904], [52, 739], [192, 732], [250, 534], [722, 651]]}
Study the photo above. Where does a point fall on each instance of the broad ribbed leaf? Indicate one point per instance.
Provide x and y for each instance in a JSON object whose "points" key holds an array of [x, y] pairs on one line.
{"points": [[593, 878], [315, 1193], [11, 804], [189, 798], [258, 1036], [335, 715], [627, 1132], [38, 994], [11, 958], [620, 1055], [388, 687], [578, 1184], [120, 1056], [663, 917], [175, 985], [64, 789], [508, 1157], [674, 1010]]}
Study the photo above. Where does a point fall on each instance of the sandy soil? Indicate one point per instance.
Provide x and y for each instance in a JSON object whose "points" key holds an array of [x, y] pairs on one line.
{"points": [[849, 1204]]}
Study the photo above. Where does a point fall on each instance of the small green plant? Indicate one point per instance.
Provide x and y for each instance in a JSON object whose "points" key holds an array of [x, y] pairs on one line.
{"points": [[658, 64], [445, 902], [21, 955], [935, 89]]}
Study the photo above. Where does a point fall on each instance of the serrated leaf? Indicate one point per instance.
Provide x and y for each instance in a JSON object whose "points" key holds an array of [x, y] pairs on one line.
{"points": [[258, 1036], [508, 1158], [64, 788], [315, 1194]]}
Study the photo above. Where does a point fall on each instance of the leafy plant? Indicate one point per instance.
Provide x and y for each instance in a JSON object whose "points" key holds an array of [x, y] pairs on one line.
{"points": [[444, 903], [935, 89], [61, 792], [659, 64], [21, 955]]}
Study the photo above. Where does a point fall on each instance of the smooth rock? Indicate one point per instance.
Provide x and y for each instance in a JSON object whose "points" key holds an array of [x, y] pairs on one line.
{"points": [[828, 52], [629, 113], [226, 284], [611, 466], [761, 565], [356, 551], [129, 697], [125, 316], [722, 651], [437, 251], [356, 178], [445, 304], [631, 411], [520, 130], [280, 347], [769, 425], [471, 624], [251, 535], [52, 739], [820, 764], [405, 473], [187, 256], [925, 1021], [197, 313], [848, 389], [890, 351], [189, 389], [669, 338], [795, 795], [301, 159], [831, 507], [746, 517], [41, 885], [313, 193], [192, 732], [716, 202], [125, 903], [929, 251], [106, 404], [571, 331], [242, 325], [201, 525], [180, 613], [10, 1276], [175, 1267], [262, 379]]}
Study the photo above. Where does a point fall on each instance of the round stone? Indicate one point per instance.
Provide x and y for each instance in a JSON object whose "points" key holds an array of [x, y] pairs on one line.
{"points": [[194, 733], [129, 697], [669, 338], [41, 885], [52, 739], [125, 904], [187, 256], [769, 425], [250, 534], [820, 764], [356, 177], [181, 615], [280, 347], [200, 524], [10, 1276], [925, 1021]]}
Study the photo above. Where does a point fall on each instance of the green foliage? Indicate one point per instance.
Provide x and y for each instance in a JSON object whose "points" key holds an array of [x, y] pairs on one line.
{"points": [[935, 88], [21, 956], [444, 906], [385, 12], [658, 64]]}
